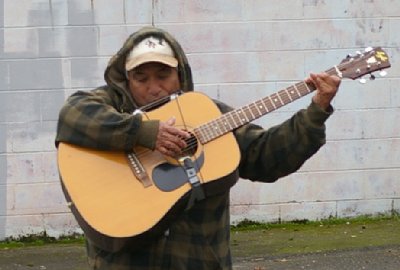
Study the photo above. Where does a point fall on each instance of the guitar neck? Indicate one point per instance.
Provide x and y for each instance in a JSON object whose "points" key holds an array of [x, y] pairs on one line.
{"points": [[248, 113]]}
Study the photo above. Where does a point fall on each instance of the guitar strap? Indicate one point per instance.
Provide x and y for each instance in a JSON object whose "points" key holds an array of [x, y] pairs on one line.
{"points": [[197, 190]]}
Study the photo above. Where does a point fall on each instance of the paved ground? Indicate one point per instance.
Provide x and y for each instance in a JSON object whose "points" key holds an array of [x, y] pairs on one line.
{"points": [[381, 258], [369, 245], [72, 257]]}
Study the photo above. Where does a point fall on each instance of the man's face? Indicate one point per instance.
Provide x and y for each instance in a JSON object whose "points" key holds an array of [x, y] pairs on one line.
{"points": [[152, 81]]}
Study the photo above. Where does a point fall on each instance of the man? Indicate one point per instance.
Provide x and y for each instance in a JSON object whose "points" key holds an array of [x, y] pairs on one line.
{"points": [[150, 66]]}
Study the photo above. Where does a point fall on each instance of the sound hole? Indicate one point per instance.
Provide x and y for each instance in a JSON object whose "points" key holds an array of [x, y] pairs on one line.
{"points": [[191, 147]]}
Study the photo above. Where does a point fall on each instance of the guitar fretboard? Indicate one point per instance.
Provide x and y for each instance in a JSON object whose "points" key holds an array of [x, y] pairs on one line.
{"points": [[243, 115]]}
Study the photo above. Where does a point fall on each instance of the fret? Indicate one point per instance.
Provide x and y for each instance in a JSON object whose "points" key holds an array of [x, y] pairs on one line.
{"points": [[269, 104], [280, 98], [206, 135], [198, 132], [297, 90], [236, 118], [231, 120], [261, 107], [276, 100], [241, 114], [248, 112], [215, 128], [255, 111], [285, 96], [272, 102], [308, 88], [207, 132], [289, 94], [225, 123]]}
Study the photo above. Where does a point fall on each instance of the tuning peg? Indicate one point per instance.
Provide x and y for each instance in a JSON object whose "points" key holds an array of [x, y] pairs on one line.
{"points": [[358, 53], [372, 77], [368, 49], [363, 80], [383, 73]]}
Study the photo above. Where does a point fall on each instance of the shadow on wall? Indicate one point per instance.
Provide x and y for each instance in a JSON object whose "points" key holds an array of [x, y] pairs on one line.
{"points": [[3, 182], [3, 160]]}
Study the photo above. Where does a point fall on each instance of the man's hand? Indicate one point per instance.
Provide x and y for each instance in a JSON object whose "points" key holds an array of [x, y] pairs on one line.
{"points": [[171, 140], [327, 87]]}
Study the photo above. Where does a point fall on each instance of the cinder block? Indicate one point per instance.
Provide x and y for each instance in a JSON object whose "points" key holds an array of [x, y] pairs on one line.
{"points": [[62, 224], [2, 16], [347, 9], [24, 225], [2, 227], [24, 168], [254, 67], [48, 199], [381, 184], [21, 43], [217, 11], [36, 74], [353, 95], [50, 104], [52, 42], [111, 39], [59, 12], [88, 72], [258, 213], [80, 12], [50, 166], [394, 93], [241, 191], [364, 207], [82, 41], [140, 12], [393, 26], [3, 198], [356, 154], [3, 138], [32, 137], [396, 205], [238, 95], [3, 174], [349, 124], [26, 13], [104, 13], [307, 211], [19, 106]]}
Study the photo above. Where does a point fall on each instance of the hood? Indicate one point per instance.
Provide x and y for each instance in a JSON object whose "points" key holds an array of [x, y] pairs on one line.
{"points": [[115, 73]]}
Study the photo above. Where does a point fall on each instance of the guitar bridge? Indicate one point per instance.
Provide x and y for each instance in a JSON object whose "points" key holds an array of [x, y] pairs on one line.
{"points": [[138, 169]]}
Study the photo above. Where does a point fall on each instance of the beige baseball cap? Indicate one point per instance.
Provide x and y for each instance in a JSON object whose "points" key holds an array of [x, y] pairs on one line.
{"points": [[151, 49]]}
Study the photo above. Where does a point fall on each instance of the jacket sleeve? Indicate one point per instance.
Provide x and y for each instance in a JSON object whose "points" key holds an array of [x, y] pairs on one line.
{"points": [[267, 155], [92, 119]]}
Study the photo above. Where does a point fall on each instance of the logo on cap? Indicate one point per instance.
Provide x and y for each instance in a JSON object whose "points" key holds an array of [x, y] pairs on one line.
{"points": [[151, 49]]}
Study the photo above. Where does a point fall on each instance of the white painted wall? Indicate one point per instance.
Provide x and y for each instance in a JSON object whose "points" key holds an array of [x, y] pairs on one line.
{"points": [[240, 51]]}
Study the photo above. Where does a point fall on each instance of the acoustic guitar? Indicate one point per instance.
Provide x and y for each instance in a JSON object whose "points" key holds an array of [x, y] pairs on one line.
{"points": [[128, 195]]}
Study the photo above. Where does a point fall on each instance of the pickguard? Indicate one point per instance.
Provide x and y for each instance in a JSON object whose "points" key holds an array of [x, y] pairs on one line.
{"points": [[168, 177]]}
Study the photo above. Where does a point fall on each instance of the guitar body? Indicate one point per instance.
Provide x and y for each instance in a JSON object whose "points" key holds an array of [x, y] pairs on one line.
{"points": [[114, 197], [107, 196]]}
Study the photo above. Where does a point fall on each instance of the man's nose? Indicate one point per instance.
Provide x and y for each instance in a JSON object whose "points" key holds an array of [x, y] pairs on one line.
{"points": [[154, 87]]}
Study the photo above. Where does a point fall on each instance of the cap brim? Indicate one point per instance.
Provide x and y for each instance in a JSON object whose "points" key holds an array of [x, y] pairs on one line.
{"points": [[151, 57]]}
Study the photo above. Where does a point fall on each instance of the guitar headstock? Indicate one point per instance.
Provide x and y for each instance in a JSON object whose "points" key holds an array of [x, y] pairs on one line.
{"points": [[373, 59]]}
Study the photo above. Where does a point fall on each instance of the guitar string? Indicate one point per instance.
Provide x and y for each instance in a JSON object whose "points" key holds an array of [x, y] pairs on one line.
{"points": [[192, 142], [300, 87]]}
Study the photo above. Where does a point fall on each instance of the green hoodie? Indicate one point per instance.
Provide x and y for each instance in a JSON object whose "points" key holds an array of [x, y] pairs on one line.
{"points": [[199, 237]]}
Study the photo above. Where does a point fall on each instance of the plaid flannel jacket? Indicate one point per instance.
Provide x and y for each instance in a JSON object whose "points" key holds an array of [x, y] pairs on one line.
{"points": [[199, 238]]}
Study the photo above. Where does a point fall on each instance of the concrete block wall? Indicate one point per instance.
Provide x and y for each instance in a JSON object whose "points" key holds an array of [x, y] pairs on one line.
{"points": [[240, 51]]}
